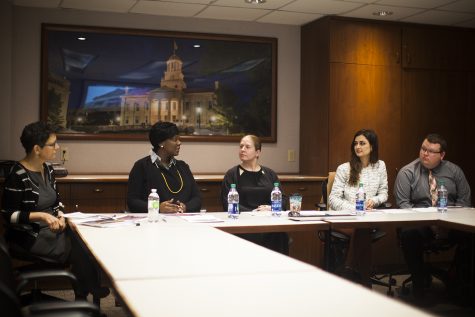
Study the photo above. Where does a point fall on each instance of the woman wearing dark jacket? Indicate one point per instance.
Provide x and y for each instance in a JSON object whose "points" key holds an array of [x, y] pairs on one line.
{"points": [[33, 212], [254, 184], [171, 178]]}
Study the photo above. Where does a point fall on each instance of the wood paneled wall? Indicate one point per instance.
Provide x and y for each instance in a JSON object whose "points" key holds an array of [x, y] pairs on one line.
{"points": [[402, 80]]}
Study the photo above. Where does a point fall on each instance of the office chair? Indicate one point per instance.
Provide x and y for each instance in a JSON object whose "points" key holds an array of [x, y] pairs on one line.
{"points": [[340, 241], [435, 246], [31, 262], [12, 284]]}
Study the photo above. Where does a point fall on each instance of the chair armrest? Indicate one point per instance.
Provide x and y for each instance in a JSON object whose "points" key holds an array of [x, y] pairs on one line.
{"points": [[61, 307], [27, 277]]}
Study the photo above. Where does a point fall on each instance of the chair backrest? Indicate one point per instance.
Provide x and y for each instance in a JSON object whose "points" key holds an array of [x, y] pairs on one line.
{"points": [[326, 190], [6, 271], [8, 299], [331, 179]]}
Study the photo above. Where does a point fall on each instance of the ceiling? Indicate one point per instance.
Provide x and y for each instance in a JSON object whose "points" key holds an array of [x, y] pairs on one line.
{"points": [[291, 12]]}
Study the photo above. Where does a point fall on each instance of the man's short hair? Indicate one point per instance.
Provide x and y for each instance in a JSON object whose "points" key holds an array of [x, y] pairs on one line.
{"points": [[435, 138]]}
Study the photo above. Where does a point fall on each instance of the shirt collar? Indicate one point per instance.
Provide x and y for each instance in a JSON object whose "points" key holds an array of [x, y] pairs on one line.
{"points": [[154, 158]]}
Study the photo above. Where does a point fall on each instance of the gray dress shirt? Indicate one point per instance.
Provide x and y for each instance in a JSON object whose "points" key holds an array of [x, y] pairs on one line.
{"points": [[412, 185]]}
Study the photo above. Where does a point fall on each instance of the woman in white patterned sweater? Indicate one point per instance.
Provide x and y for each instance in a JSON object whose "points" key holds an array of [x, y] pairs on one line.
{"points": [[364, 167]]}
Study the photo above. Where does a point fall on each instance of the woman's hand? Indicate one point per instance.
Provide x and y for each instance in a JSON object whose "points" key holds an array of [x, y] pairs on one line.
{"points": [[263, 208], [62, 222], [369, 204], [54, 224], [172, 206]]}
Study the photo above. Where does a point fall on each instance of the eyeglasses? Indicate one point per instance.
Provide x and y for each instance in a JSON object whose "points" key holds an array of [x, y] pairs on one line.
{"points": [[51, 144], [428, 151]]}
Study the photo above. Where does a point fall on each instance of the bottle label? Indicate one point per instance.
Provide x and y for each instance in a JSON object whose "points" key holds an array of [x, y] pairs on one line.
{"points": [[276, 205], [233, 208], [360, 205]]}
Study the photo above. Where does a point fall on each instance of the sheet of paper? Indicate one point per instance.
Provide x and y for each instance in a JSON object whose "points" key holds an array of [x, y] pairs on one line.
{"points": [[398, 211], [306, 218], [312, 213], [200, 218], [260, 213], [334, 213], [428, 209], [79, 217], [114, 221]]}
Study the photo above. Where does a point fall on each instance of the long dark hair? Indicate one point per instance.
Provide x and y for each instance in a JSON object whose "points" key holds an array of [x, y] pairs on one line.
{"points": [[355, 162]]}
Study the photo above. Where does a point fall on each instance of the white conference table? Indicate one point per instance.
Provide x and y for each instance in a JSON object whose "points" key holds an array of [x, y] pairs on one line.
{"points": [[463, 219], [257, 222], [176, 268], [311, 293], [454, 217], [160, 250]]}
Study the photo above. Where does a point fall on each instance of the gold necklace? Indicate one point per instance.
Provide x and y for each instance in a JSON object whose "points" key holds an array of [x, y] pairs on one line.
{"points": [[166, 183]]}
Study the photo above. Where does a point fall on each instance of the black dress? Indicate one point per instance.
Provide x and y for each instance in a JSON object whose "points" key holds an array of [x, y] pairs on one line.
{"points": [[254, 189]]}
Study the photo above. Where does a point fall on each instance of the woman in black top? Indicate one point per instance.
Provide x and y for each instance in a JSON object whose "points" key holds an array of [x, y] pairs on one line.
{"points": [[33, 212], [254, 184], [171, 178]]}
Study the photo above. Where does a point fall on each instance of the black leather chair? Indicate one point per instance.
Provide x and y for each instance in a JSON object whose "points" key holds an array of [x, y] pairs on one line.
{"points": [[12, 284], [433, 247], [30, 262]]}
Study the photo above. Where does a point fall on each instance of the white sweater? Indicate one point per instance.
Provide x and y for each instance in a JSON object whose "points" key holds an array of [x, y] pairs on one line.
{"points": [[375, 183]]}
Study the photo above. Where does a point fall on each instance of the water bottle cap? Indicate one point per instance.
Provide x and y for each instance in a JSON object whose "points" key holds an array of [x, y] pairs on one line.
{"points": [[276, 184], [154, 190], [233, 185]]}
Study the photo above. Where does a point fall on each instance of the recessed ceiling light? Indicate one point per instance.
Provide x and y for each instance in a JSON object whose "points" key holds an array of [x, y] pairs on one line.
{"points": [[255, 1], [383, 13], [196, 45], [81, 38]]}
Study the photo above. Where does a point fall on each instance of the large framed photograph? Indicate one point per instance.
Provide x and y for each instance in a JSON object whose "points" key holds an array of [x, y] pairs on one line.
{"points": [[113, 84]]}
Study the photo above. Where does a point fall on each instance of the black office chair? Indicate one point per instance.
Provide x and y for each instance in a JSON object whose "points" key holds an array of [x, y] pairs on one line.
{"points": [[13, 284], [340, 241], [31, 262], [435, 246]]}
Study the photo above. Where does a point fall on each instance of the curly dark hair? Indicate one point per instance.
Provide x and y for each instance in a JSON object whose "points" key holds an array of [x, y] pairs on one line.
{"points": [[36, 133], [355, 162]]}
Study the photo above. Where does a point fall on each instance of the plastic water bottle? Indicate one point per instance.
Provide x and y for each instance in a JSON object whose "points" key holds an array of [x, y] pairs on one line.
{"points": [[442, 197], [153, 206], [233, 202], [276, 201], [360, 201]]}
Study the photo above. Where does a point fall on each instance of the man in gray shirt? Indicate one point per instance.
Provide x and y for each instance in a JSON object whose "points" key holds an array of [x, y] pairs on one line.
{"points": [[413, 189]]}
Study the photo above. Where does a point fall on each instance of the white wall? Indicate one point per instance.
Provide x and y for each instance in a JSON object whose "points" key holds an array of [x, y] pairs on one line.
{"points": [[118, 156], [5, 80]]}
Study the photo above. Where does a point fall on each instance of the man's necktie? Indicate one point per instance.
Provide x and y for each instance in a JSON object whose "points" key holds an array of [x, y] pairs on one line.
{"points": [[433, 188]]}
